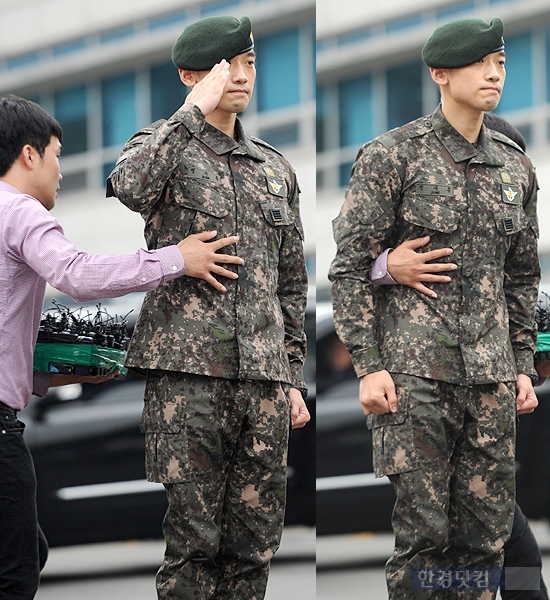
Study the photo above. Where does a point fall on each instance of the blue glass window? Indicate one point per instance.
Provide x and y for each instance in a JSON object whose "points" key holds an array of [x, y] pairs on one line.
{"points": [[167, 20], [167, 91], [354, 37], [117, 34], [344, 173], [69, 48], [355, 111], [217, 7], [282, 135], [404, 93], [119, 109], [447, 13], [71, 110], [518, 89], [320, 119], [406, 23], [278, 70], [23, 60]]}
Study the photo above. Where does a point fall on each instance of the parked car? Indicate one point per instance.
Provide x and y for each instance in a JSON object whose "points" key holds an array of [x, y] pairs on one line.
{"points": [[349, 497], [88, 453]]}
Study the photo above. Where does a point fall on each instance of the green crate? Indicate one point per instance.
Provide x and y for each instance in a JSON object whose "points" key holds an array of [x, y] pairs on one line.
{"points": [[109, 359]]}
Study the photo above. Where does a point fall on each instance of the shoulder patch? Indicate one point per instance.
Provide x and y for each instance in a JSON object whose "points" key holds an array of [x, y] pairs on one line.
{"points": [[411, 130], [261, 142]]}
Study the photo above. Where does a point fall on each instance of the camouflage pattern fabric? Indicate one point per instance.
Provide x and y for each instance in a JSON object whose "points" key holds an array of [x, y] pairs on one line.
{"points": [[219, 446], [425, 178], [185, 176], [449, 452]]}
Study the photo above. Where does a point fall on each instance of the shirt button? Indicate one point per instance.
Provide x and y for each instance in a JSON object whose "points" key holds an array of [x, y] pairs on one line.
{"points": [[174, 268], [144, 279]]}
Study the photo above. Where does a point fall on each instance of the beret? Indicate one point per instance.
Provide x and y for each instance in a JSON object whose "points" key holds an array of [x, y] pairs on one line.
{"points": [[461, 43], [206, 42]]}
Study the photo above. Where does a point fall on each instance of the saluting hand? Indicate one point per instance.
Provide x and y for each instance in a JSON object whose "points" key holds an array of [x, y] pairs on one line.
{"points": [[207, 92], [201, 259]]}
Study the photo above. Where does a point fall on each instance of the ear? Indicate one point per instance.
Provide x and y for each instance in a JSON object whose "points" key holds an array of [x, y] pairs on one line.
{"points": [[439, 76], [28, 156], [189, 78]]}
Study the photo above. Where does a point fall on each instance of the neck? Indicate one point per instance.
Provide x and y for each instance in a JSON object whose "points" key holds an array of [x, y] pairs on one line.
{"points": [[467, 122], [224, 121]]}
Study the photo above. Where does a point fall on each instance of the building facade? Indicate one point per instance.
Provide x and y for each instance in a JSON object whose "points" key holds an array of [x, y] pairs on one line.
{"points": [[370, 78]]}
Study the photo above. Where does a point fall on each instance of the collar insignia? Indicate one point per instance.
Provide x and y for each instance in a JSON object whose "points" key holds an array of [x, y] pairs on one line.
{"points": [[505, 177]]}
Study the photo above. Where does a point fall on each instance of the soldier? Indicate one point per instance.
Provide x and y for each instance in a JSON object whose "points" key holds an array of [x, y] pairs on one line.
{"points": [[440, 377], [223, 371], [406, 266]]}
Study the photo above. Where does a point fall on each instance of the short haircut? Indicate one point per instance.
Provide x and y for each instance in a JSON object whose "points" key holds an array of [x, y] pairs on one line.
{"points": [[23, 122], [499, 124]]}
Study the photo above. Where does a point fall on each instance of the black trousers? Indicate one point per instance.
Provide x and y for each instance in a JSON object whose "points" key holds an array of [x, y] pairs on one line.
{"points": [[23, 547], [520, 551]]}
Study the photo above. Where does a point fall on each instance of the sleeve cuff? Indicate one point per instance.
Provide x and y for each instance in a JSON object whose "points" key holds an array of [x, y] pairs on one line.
{"points": [[191, 116], [379, 272], [171, 261], [367, 361]]}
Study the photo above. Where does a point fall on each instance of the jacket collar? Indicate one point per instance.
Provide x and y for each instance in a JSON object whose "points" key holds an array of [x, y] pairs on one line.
{"points": [[486, 151], [220, 143]]}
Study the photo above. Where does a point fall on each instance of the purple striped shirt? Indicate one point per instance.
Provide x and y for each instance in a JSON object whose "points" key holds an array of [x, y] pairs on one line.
{"points": [[33, 251]]}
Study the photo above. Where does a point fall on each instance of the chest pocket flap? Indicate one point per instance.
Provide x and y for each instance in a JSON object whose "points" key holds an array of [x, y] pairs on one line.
{"points": [[203, 196], [429, 213]]}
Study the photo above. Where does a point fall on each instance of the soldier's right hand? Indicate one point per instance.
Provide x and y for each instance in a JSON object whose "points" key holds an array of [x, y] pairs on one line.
{"points": [[377, 393], [201, 259], [207, 93]]}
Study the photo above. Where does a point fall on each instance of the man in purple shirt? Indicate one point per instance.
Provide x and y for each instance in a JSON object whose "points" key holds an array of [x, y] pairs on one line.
{"points": [[33, 251]]}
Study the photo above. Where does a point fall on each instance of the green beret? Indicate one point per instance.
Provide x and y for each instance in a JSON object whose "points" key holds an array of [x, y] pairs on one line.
{"points": [[205, 43], [463, 43]]}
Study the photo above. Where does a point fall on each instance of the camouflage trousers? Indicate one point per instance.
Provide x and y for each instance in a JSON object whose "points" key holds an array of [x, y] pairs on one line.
{"points": [[449, 453], [219, 446]]}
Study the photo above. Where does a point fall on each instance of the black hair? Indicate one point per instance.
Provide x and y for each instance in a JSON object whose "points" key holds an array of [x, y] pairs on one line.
{"points": [[499, 124], [23, 122]]}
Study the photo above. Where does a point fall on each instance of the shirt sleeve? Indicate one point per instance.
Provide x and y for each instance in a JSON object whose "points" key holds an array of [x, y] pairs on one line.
{"points": [[379, 274], [37, 239]]}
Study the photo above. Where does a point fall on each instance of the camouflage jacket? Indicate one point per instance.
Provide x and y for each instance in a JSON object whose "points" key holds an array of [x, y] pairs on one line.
{"points": [[185, 176], [425, 178]]}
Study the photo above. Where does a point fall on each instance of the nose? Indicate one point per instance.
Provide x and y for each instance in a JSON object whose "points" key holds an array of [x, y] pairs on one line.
{"points": [[492, 72], [238, 73]]}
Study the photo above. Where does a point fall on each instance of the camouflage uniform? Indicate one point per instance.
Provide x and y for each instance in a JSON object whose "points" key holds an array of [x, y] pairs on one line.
{"points": [[219, 365], [449, 448]]}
